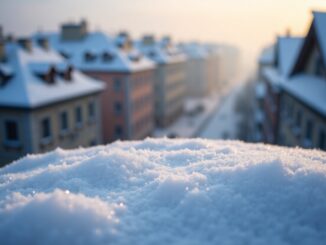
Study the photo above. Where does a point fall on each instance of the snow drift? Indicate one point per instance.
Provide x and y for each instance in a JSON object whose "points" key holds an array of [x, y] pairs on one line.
{"points": [[166, 192]]}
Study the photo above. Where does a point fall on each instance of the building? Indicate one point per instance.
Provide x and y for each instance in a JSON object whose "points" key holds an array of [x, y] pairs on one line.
{"points": [[303, 100], [44, 102], [169, 78], [127, 101], [266, 60], [197, 82], [286, 50]]}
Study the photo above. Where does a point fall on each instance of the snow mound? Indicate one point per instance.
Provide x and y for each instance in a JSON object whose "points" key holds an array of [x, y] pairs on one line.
{"points": [[160, 191]]}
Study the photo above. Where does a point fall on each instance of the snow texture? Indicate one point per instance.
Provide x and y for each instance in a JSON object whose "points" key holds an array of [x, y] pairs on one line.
{"points": [[166, 192]]}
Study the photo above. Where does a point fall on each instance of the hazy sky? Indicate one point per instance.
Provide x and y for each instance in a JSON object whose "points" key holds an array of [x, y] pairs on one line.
{"points": [[249, 24]]}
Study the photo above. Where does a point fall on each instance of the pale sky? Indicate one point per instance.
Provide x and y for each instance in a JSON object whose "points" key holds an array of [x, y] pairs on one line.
{"points": [[249, 24]]}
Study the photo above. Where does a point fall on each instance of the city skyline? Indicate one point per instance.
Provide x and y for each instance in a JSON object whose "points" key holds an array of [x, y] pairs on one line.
{"points": [[249, 25]]}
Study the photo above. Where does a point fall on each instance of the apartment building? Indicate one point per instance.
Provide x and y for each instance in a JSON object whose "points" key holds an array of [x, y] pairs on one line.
{"points": [[303, 99], [169, 88], [127, 101], [197, 76], [286, 50], [44, 102]]}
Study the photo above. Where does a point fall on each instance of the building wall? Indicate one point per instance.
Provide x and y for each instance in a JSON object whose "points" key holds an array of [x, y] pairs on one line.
{"points": [[29, 128], [293, 132], [8, 152], [196, 78], [213, 76], [135, 97], [271, 111], [169, 92], [86, 134], [142, 104]]}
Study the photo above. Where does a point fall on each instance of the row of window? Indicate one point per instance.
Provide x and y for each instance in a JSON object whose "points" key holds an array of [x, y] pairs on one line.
{"points": [[306, 132], [11, 127]]}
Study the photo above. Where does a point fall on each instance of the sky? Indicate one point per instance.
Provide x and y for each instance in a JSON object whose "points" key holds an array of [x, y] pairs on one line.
{"points": [[248, 24]]}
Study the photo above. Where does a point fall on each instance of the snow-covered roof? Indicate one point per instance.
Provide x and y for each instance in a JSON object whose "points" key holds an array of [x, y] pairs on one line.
{"points": [[309, 89], [195, 50], [166, 192], [288, 49], [98, 44], [267, 56], [272, 75], [25, 89], [160, 52], [320, 24]]}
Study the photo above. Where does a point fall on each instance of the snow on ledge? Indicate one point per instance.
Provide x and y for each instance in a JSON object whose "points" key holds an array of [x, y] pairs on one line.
{"points": [[161, 191]]}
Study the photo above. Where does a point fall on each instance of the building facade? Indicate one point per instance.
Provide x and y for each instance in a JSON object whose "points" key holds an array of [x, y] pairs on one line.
{"points": [[303, 100], [127, 102], [44, 102], [169, 88]]}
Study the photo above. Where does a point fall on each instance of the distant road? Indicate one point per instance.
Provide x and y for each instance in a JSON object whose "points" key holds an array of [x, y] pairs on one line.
{"points": [[223, 124]]}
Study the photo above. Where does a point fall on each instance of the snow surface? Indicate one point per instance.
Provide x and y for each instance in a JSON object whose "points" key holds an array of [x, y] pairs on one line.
{"points": [[166, 192]]}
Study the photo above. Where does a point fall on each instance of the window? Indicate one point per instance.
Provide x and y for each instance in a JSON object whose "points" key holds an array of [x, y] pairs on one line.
{"points": [[318, 66], [117, 108], [64, 121], [322, 140], [309, 130], [117, 84], [46, 128], [118, 131], [298, 119], [11, 130], [91, 110], [79, 116]]}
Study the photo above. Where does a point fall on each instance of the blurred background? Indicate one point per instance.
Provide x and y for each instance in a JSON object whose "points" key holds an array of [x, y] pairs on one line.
{"points": [[83, 73]]}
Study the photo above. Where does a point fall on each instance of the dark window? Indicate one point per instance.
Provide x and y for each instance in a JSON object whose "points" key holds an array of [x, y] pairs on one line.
{"points": [[46, 128], [117, 108], [118, 131], [298, 119], [117, 85], [91, 110], [322, 140], [64, 121], [11, 129], [319, 66], [79, 115], [309, 129]]}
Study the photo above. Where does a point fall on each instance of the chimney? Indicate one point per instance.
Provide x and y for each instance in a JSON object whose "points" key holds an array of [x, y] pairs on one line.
{"points": [[2, 51], [73, 31], [1, 33], [50, 76], [26, 44], [148, 40], [68, 73], [44, 43], [84, 27], [288, 32]]}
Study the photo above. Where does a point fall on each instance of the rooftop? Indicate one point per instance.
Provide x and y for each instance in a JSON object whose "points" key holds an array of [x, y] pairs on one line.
{"points": [[27, 90]]}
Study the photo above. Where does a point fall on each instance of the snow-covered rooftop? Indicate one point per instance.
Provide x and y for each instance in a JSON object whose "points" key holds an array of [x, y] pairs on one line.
{"points": [[166, 192], [26, 89], [320, 23], [194, 50], [267, 56], [160, 51], [99, 44], [309, 89], [288, 50]]}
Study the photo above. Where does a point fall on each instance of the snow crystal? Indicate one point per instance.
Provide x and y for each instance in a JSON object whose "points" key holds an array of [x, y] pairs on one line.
{"points": [[161, 191]]}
